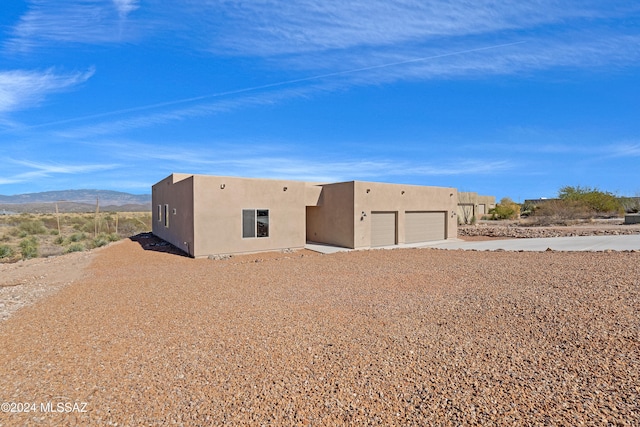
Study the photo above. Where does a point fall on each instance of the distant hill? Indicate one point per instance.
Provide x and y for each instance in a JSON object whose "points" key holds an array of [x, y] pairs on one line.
{"points": [[75, 201]]}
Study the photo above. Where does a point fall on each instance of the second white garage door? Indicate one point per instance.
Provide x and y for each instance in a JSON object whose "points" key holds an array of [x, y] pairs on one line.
{"points": [[383, 228], [425, 226]]}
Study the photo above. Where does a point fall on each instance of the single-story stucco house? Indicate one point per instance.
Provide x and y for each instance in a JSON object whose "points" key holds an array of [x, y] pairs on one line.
{"points": [[213, 215], [472, 206]]}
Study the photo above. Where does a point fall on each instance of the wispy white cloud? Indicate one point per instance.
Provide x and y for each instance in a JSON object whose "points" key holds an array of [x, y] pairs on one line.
{"points": [[125, 7], [20, 89], [274, 27], [72, 21], [626, 149], [174, 111], [32, 170], [313, 169], [279, 160], [332, 44]]}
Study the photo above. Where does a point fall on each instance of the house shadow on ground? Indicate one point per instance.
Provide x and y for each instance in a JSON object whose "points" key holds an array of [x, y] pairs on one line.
{"points": [[151, 242]]}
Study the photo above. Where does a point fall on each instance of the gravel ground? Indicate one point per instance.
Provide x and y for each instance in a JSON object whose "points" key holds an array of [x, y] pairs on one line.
{"points": [[490, 230], [24, 282], [380, 337]]}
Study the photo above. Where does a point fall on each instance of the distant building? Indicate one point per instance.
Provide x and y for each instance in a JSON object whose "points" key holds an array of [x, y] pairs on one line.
{"points": [[210, 215], [472, 206]]}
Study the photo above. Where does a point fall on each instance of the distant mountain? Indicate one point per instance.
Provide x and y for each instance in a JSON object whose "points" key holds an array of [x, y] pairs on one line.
{"points": [[106, 197], [75, 201]]}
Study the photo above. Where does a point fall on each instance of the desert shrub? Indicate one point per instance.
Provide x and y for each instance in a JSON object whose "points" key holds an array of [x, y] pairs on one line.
{"points": [[29, 248], [560, 212], [600, 202], [131, 226], [83, 223], [32, 227], [50, 221], [101, 240], [630, 204], [6, 251], [58, 240], [76, 237], [506, 209], [528, 208], [75, 247]]}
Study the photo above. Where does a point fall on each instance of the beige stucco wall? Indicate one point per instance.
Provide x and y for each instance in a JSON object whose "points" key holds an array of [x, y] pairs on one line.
{"points": [[337, 219], [219, 202], [176, 190], [331, 219], [373, 196], [206, 211], [471, 204]]}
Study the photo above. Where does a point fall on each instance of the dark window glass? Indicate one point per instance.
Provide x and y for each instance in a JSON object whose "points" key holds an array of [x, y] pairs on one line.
{"points": [[262, 223]]}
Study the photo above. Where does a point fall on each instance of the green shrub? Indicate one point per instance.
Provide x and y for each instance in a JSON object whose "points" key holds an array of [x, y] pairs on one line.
{"points": [[29, 248], [100, 241], [6, 251], [75, 247], [59, 240], [506, 209], [76, 237], [50, 221], [601, 202], [32, 227]]}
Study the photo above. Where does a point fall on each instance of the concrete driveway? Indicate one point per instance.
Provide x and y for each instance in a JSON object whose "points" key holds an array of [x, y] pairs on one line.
{"points": [[577, 243]]}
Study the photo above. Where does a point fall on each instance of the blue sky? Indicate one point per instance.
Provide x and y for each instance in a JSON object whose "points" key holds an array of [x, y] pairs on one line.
{"points": [[502, 97]]}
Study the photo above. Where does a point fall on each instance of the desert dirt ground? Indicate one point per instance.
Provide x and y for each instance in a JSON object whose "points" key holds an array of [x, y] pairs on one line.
{"points": [[130, 334]]}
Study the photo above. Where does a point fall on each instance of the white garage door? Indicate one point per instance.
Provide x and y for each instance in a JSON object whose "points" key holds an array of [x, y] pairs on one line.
{"points": [[425, 226], [383, 228]]}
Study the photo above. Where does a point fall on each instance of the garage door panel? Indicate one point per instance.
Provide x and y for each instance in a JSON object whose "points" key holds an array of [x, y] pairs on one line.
{"points": [[425, 226], [383, 228]]}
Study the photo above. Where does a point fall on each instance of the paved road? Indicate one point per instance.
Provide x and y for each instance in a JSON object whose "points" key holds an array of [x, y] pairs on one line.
{"points": [[577, 243]]}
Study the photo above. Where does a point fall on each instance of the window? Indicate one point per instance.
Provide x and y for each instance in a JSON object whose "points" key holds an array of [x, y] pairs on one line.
{"points": [[159, 213], [166, 216], [255, 223], [262, 223]]}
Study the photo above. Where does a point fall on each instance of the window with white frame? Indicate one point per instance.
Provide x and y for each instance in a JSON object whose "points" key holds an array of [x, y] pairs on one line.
{"points": [[159, 213], [255, 223], [166, 216]]}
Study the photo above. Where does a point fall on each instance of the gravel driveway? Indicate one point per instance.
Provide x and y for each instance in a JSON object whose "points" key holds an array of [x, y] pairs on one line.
{"points": [[381, 337]]}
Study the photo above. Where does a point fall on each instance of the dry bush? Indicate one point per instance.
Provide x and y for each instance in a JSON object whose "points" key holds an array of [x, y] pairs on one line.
{"points": [[31, 235], [560, 212]]}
